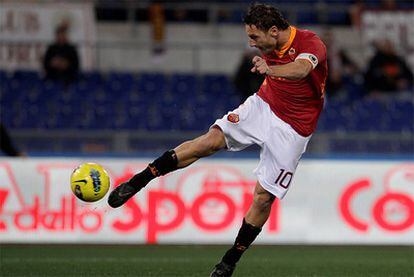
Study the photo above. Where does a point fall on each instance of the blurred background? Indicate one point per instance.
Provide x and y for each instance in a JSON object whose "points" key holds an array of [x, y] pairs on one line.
{"points": [[119, 82], [139, 76]]}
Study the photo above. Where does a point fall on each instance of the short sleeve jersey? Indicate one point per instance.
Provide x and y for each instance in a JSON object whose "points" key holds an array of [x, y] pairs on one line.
{"points": [[298, 102]]}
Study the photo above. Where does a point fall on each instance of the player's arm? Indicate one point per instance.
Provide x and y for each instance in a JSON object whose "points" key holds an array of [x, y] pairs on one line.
{"points": [[296, 70]]}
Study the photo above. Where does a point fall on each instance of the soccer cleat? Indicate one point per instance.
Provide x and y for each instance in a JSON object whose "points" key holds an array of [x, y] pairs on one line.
{"points": [[222, 270], [121, 194]]}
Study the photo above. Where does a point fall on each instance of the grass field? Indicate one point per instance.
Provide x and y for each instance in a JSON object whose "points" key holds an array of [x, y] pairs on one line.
{"points": [[90, 260]]}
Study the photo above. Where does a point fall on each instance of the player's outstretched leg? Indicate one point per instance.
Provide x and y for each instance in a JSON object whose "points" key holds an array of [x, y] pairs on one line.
{"points": [[182, 156], [252, 224], [167, 162]]}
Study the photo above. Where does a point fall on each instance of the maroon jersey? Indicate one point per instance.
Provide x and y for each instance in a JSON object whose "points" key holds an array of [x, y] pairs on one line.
{"points": [[298, 102]]}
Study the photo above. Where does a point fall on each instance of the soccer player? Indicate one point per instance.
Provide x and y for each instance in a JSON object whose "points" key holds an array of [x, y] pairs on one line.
{"points": [[280, 118]]}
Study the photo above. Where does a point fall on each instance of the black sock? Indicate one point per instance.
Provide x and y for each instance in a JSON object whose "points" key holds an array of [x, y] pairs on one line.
{"points": [[247, 234], [166, 163]]}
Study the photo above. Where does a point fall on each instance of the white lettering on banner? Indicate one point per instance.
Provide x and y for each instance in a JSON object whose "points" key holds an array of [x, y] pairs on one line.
{"points": [[367, 203], [27, 28]]}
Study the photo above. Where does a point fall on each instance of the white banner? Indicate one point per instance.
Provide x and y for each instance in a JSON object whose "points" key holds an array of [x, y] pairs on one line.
{"points": [[338, 202], [27, 27]]}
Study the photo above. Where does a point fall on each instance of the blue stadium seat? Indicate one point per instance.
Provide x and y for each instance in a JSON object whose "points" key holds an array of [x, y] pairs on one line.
{"points": [[120, 122], [52, 88], [369, 115], [195, 120], [216, 85], [26, 75], [158, 102], [91, 77], [335, 116], [119, 84], [401, 114], [183, 85], [4, 81], [151, 84], [3, 74]]}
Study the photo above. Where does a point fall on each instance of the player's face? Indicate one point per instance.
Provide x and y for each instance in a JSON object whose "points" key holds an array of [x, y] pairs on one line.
{"points": [[264, 41]]}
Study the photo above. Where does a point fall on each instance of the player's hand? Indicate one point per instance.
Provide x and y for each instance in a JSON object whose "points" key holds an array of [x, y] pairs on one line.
{"points": [[260, 65]]}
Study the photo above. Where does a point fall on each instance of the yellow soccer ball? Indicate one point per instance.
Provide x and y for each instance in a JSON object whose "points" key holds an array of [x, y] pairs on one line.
{"points": [[89, 182]]}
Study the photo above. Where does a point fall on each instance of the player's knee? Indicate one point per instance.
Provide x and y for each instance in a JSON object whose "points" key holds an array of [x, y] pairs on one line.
{"points": [[209, 143], [216, 139], [263, 201]]}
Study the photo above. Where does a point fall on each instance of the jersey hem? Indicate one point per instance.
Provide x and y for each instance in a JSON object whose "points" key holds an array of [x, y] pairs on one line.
{"points": [[304, 135]]}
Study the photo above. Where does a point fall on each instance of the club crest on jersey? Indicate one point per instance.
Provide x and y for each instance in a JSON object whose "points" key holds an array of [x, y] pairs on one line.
{"points": [[233, 118], [292, 51]]}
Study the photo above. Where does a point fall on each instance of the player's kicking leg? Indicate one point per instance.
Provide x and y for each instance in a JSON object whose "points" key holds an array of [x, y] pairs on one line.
{"points": [[253, 221], [182, 156]]}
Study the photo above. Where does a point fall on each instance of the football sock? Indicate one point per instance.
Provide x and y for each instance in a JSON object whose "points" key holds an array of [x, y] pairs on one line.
{"points": [[247, 234], [166, 163]]}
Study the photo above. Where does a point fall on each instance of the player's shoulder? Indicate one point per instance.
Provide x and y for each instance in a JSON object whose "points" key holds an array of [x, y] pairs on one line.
{"points": [[304, 34], [306, 38]]}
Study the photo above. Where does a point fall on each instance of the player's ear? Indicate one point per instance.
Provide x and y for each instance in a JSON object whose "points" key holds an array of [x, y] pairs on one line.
{"points": [[273, 31]]}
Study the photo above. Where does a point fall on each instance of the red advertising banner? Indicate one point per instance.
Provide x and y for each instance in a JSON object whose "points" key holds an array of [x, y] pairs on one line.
{"points": [[329, 202]]}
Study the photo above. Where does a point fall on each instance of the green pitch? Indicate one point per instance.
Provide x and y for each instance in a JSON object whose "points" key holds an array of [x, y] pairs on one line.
{"points": [[90, 260]]}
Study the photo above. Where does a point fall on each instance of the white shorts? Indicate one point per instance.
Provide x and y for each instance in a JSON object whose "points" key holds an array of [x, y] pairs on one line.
{"points": [[253, 122]]}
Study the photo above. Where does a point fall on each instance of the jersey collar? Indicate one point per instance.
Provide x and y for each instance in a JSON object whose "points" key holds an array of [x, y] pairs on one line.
{"points": [[288, 43]]}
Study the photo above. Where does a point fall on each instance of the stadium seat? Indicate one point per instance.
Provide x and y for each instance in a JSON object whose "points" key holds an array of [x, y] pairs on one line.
{"points": [[215, 84], [162, 102], [151, 84], [119, 83], [184, 85], [91, 77], [26, 75]]}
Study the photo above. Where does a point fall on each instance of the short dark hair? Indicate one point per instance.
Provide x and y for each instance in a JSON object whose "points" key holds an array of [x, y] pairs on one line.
{"points": [[264, 17]]}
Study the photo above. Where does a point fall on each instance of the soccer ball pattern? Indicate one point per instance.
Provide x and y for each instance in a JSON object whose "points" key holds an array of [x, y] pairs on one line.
{"points": [[89, 182]]}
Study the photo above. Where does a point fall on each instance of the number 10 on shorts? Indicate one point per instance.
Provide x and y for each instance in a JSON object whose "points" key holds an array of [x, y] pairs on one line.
{"points": [[284, 178]]}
